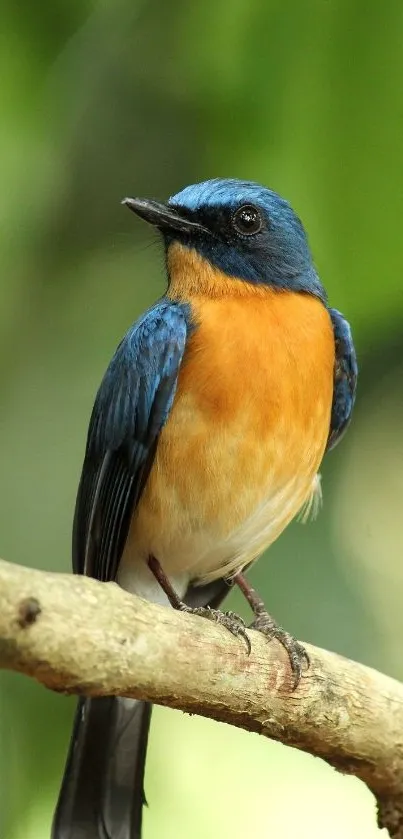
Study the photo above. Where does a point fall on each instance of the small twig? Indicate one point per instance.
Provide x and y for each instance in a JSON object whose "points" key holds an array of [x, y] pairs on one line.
{"points": [[76, 635]]}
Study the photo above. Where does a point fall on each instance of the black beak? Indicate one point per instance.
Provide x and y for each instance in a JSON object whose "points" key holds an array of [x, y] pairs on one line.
{"points": [[162, 216]]}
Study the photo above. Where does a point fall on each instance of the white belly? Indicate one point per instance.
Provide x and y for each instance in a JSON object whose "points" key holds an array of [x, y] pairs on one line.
{"points": [[203, 555]]}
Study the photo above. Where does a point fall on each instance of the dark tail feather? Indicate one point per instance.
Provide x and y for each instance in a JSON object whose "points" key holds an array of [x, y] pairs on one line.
{"points": [[102, 794]]}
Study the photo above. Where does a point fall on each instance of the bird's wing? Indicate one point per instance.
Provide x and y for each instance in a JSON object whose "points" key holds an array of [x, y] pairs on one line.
{"points": [[345, 378], [130, 410]]}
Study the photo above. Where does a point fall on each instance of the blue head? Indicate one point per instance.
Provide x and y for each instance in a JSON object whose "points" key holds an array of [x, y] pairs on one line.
{"points": [[245, 230]]}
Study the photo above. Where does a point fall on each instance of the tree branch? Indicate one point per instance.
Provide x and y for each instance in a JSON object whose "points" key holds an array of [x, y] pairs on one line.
{"points": [[76, 635]]}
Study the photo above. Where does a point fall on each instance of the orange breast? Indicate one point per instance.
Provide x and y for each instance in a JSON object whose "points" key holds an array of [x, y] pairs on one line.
{"points": [[246, 435]]}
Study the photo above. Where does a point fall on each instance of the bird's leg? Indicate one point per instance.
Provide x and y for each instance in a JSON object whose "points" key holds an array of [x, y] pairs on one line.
{"points": [[230, 620], [165, 583], [265, 624]]}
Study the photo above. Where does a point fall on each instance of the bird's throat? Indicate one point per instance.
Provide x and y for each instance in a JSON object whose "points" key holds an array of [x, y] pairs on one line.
{"points": [[190, 274]]}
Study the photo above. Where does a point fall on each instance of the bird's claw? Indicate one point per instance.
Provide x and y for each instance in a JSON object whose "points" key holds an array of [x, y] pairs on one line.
{"points": [[297, 654], [233, 622]]}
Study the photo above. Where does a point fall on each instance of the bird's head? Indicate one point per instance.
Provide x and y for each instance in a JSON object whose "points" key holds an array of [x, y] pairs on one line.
{"points": [[233, 230]]}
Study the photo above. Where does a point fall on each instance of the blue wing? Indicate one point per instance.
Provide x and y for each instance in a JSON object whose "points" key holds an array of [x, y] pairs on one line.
{"points": [[345, 378], [130, 410]]}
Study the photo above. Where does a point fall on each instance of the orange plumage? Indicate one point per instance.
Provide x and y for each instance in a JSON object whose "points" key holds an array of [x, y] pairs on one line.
{"points": [[240, 452]]}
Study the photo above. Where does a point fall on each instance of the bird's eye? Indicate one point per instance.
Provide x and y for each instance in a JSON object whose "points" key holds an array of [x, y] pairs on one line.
{"points": [[247, 220]]}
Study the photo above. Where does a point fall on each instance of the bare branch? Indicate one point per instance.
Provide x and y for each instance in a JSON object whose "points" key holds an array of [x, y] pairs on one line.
{"points": [[76, 635]]}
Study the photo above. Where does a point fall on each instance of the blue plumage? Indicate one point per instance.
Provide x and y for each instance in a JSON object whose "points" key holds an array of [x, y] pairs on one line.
{"points": [[231, 192], [136, 393], [278, 254], [345, 378], [131, 408]]}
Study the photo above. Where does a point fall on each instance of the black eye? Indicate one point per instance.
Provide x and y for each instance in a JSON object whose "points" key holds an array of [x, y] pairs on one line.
{"points": [[247, 220]]}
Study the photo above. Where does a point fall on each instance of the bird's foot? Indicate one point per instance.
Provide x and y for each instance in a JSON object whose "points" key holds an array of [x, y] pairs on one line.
{"points": [[233, 622], [230, 620], [297, 654]]}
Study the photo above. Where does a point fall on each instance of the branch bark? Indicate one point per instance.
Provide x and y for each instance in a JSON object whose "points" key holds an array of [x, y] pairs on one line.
{"points": [[76, 635]]}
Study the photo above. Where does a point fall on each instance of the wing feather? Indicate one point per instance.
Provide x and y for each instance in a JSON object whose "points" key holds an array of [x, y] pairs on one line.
{"points": [[130, 410], [345, 378]]}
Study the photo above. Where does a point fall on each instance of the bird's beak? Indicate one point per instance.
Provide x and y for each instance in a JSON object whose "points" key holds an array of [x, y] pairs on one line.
{"points": [[163, 216]]}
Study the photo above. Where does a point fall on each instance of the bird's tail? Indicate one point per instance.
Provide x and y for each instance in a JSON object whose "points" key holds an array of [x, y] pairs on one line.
{"points": [[102, 794]]}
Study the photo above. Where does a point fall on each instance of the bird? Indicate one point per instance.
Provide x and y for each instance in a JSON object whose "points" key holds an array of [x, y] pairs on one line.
{"points": [[205, 440]]}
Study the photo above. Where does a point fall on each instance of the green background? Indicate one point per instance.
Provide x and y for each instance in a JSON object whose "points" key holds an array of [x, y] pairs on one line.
{"points": [[104, 99]]}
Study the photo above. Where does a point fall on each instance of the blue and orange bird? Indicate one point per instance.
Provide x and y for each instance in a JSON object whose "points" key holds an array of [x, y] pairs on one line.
{"points": [[205, 440]]}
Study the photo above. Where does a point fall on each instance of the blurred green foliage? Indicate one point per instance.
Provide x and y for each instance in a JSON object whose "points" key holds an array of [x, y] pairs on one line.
{"points": [[104, 99]]}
